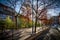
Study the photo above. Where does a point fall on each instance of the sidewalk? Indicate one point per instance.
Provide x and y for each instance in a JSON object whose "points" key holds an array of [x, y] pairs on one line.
{"points": [[28, 31]]}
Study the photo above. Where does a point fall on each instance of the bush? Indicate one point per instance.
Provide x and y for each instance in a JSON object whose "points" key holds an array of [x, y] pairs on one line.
{"points": [[9, 23]]}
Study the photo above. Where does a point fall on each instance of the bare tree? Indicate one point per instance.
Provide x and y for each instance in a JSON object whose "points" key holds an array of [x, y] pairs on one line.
{"points": [[34, 9], [44, 9], [27, 5]]}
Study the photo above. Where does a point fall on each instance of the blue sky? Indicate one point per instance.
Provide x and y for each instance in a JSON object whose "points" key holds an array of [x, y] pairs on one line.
{"points": [[51, 11], [54, 12]]}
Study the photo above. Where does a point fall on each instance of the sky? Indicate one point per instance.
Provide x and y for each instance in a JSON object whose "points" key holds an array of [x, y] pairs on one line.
{"points": [[52, 11]]}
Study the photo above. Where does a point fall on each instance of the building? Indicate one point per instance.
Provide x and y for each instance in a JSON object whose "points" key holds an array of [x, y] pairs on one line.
{"points": [[6, 11]]}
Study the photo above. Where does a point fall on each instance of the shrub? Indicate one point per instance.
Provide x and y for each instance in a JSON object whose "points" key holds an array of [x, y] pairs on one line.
{"points": [[9, 23]]}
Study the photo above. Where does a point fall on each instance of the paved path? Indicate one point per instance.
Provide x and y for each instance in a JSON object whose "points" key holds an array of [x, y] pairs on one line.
{"points": [[28, 31], [20, 34]]}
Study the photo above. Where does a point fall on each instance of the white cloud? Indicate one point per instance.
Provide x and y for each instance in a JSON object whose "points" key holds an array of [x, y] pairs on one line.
{"points": [[52, 12]]}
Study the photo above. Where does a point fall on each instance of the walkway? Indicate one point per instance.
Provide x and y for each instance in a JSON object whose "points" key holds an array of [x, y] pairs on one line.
{"points": [[20, 34]]}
